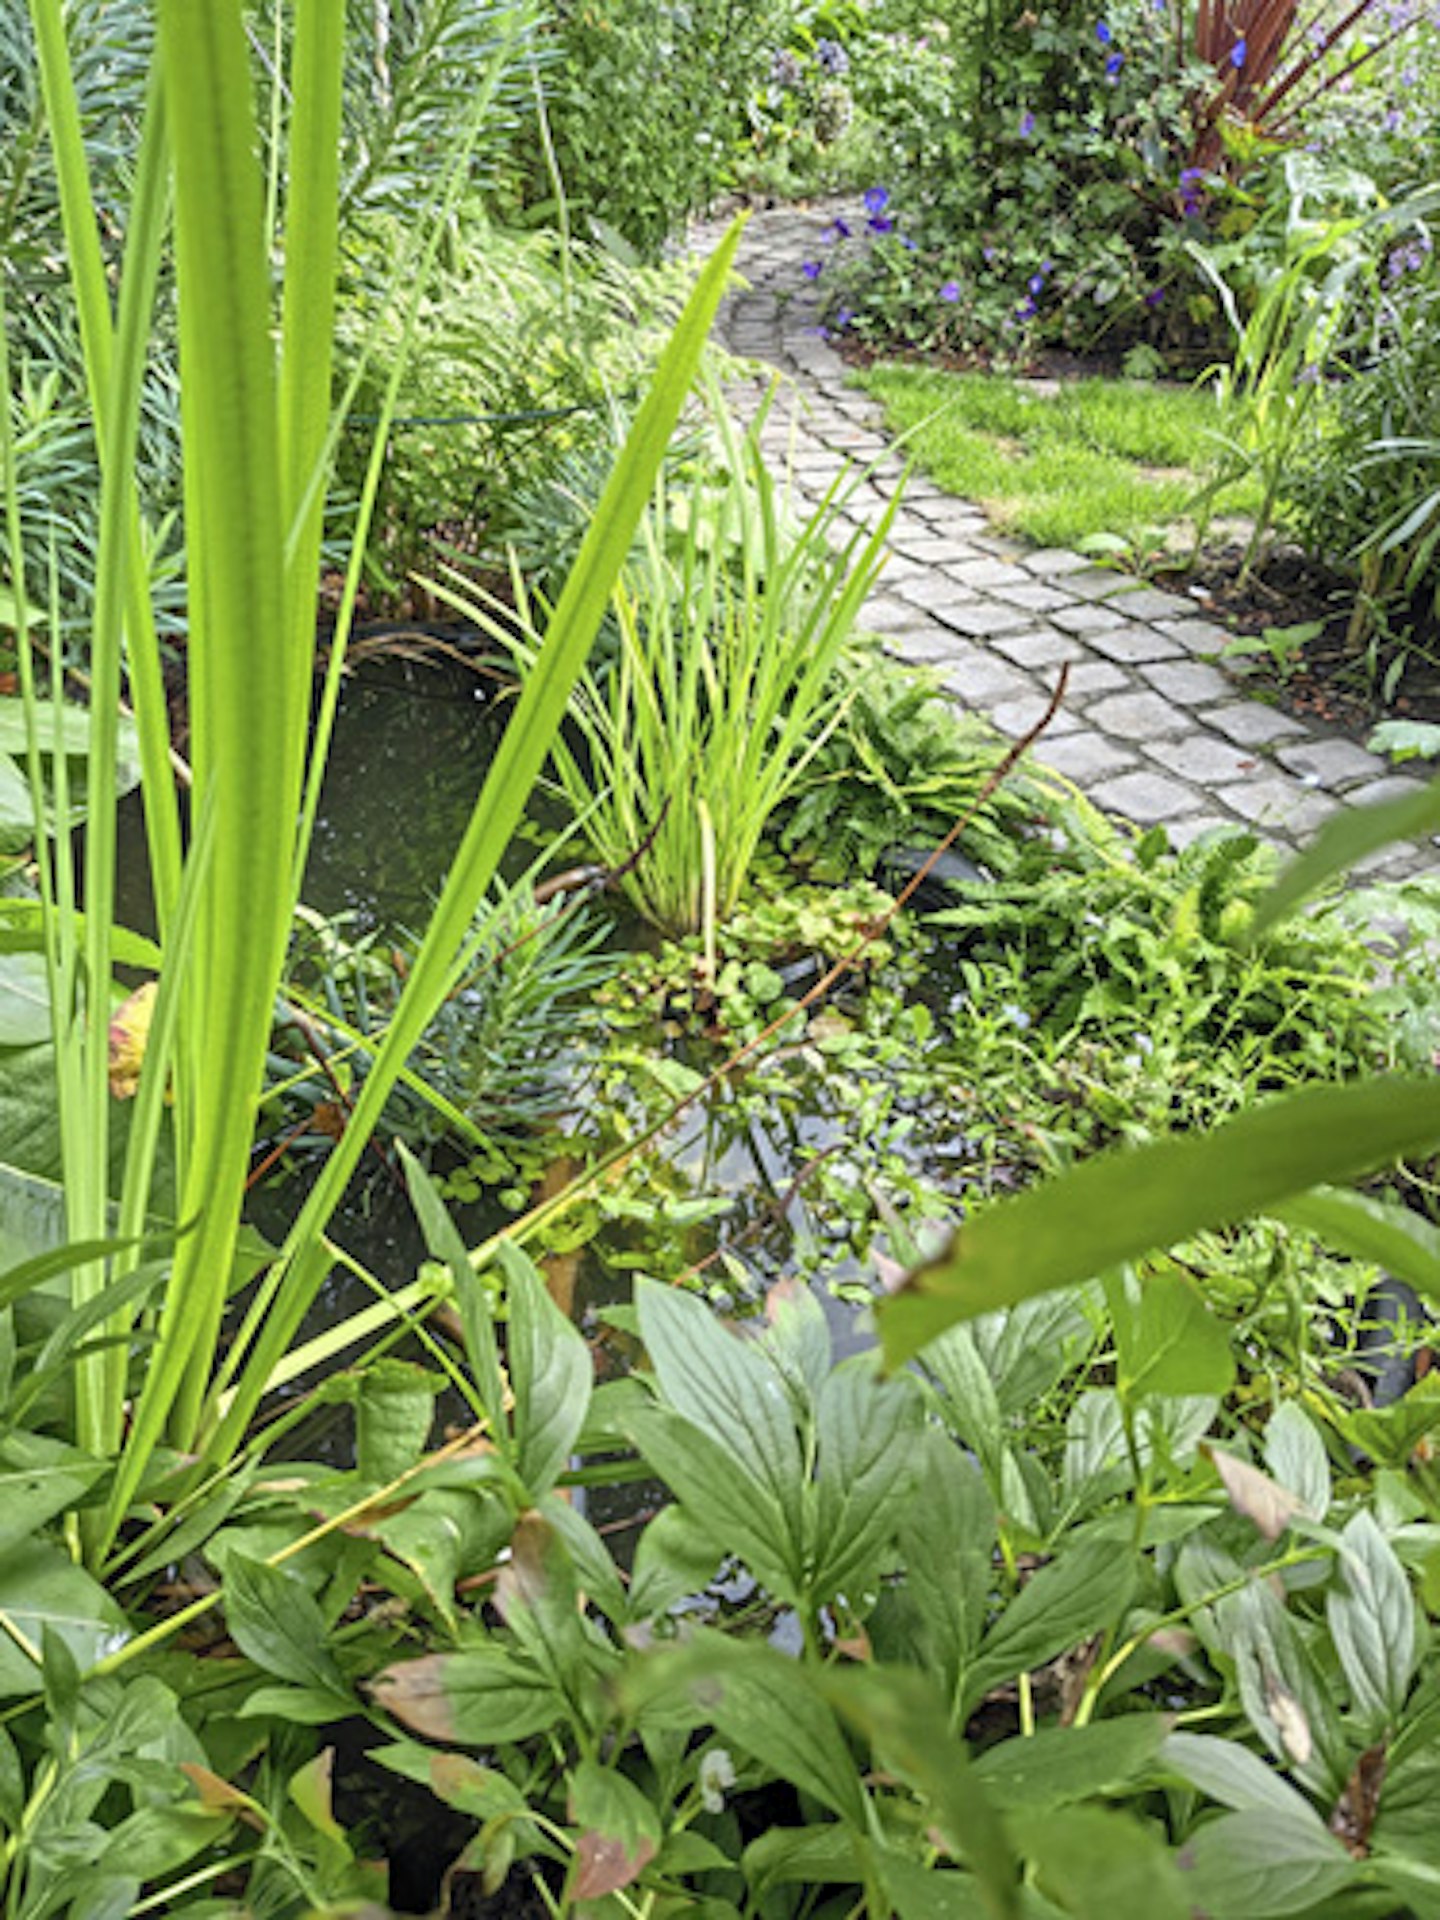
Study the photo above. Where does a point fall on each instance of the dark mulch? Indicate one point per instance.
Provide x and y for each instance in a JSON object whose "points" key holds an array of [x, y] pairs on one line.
{"points": [[1350, 680]]}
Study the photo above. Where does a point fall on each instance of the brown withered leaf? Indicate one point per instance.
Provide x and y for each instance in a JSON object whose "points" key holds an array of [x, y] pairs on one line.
{"points": [[1290, 1721], [1353, 1819], [414, 1692], [219, 1796], [529, 1574], [605, 1864], [1267, 1505]]}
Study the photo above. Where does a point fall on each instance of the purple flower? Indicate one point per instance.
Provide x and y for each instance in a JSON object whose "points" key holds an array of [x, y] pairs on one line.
{"points": [[1027, 125], [1237, 55], [1026, 310], [837, 230], [1189, 175], [909, 245], [1154, 297], [1037, 284], [987, 254], [876, 199], [880, 223], [843, 317], [842, 227], [1103, 33], [832, 57], [950, 291], [1114, 64], [812, 269]]}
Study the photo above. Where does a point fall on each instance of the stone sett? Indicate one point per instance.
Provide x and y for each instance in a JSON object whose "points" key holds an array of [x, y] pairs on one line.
{"points": [[1083, 619], [1132, 646], [983, 618], [1035, 599], [1149, 603], [1249, 724], [1055, 563], [1204, 759], [987, 682], [1189, 683], [1333, 763], [1195, 635], [1146, 798], [1395, 786], [1139, 717], [1084, 756], [883, 615], [1037, 648], [1014, 717], [1275, 801], [1091, 678]]}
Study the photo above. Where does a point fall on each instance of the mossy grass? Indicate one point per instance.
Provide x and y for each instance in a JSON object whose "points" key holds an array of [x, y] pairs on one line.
{"points": [[1061, 461]]}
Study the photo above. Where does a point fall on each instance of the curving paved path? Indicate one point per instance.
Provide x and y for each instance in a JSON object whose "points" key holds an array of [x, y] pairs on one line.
{"points": [[1153, 728]]}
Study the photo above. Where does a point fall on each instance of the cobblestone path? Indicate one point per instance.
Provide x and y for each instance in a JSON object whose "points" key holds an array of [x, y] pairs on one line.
{"points": [[1153, 728]]}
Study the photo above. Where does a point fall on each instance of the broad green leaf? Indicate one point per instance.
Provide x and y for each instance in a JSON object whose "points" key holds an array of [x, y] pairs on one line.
{"points": [[1097, 1863], [677, 1556], [971, 1406], [1097, 1460], [620, 1830], [476, 1698], [294, 1706], [24, 999], [1129, 1202], [1296, 1457], [538, 1598], [1395, 1237], [866, 1474], [1344, 838], [948, 1540], [927, 1893], [1260, 1863], [1169, 1342], [17, 811], [908, 1728], [802, 1856], [274, 1620], [39, 1477], [1233, 1775], [763, 1704], [797, 1335], [394, 1411], [551, 1373], [740, 1515], [44, 1595], [594, 1566], [1372, 1617], [1060, 1765], [725, 1385], [455, 1778], [445, 1534], [1083, 1590]]}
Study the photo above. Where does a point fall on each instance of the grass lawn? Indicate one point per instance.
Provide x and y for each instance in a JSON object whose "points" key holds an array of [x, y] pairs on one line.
{"points": [[1059, 462]]}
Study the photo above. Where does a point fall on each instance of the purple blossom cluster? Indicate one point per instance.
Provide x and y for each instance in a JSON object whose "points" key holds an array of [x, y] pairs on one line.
{"points": [[1407, 258]]}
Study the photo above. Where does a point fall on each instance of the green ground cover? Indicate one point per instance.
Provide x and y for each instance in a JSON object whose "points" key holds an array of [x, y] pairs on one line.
{"points": [[1060, 462]]}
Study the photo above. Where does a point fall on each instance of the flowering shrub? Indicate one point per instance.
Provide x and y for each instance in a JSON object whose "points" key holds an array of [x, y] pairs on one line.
{"points": [[1082, 119], [1063, 162]]}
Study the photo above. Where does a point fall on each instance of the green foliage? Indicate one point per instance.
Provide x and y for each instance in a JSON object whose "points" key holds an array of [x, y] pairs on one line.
{"points": [[898, 772], [732, 619], [644, 102], [1089, 457]]}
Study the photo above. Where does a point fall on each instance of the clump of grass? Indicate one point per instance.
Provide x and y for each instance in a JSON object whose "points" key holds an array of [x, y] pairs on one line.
{"points": [[1059, 463]]}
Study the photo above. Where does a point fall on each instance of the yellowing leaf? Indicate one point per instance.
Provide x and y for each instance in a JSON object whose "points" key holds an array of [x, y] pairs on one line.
{"points": [[129, 1036]]}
